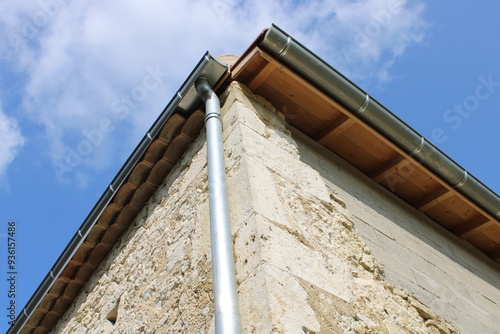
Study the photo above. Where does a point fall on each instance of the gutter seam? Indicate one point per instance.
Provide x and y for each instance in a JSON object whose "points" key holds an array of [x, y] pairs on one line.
{"points": [[363, 106], [283, 51], [419, 147]]}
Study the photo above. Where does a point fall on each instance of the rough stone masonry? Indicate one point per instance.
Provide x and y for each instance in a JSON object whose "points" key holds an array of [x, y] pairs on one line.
{"points": [[301, 266]]}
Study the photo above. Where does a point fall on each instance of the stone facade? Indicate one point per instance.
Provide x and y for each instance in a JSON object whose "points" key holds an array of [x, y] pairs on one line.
{"points": [[301, 265]]}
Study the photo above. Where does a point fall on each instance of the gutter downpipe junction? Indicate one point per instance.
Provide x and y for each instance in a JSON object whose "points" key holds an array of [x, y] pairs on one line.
{"points": [[300, 59], [227, 315]]}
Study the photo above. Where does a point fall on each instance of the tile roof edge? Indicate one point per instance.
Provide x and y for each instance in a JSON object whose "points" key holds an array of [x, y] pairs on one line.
{"points": [[184, 102]]}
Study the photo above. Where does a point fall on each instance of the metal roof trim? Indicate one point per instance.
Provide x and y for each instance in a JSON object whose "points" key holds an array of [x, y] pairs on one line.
{"points": [[353, 98], [185, 101]]}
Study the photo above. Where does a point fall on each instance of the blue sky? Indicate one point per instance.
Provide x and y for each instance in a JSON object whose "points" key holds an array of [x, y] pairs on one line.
{"points": [[67, 68]]}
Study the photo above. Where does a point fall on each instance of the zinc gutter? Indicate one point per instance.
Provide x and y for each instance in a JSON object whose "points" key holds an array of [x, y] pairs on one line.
{"points": [[293, 54], [184, 102]]}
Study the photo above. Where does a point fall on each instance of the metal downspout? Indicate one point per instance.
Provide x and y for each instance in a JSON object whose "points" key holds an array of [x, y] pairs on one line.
{"points": [[227, 315]]}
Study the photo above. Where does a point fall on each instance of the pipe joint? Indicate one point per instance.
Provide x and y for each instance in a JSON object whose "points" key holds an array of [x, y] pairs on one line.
{"points": [[461, 183], [203, 88], [210, 115], [363, 107]]}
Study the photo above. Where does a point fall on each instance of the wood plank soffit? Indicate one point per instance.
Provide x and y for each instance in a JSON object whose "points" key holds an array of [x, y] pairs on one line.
{"points": [[495, 255], [261, 76], [433, 198], [331, 131], [388, 167], [473, 226]]}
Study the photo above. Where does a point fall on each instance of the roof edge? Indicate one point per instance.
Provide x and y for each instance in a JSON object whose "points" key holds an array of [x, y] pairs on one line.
{"points": [[293, 54], [184, 102]]}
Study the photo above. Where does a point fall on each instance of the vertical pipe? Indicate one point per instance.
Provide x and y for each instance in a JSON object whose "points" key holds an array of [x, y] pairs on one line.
{"points": [[227, 317]]}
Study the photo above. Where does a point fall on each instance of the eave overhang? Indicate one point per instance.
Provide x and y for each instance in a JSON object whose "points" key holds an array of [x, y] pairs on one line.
{"points": [[325, 105]]}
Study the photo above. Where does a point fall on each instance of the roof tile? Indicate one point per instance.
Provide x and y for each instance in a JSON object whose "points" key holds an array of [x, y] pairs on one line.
{"points": [[155, 151], [159, 172], [41, 330], [109, 215], [73, 288], [98, 254], [95, 234], [194, 124], [140, 172], [141, 196], [62, 304], [127, 215], [112, 235], [124, 194], [37, 317], [71, 269], [85, 271], [177, 147], [82, 253], [172, 127], [49, 321], [59, 286]]}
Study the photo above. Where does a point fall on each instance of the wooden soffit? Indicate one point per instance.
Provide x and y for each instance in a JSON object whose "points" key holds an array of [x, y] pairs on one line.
{"points": [[326, 121]]}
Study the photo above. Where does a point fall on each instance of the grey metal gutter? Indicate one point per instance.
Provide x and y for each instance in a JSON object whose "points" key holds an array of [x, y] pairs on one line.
{"points": [[293, 54], [227, 314], [185, 101]]}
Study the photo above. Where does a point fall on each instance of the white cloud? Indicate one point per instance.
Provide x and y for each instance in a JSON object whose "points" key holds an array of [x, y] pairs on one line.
{"points": [[80, 58], [11, 139]]}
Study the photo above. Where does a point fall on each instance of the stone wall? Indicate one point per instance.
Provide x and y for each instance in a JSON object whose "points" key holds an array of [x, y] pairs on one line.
{"points": [[449, 275], [157, 279], [301, 265]]}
